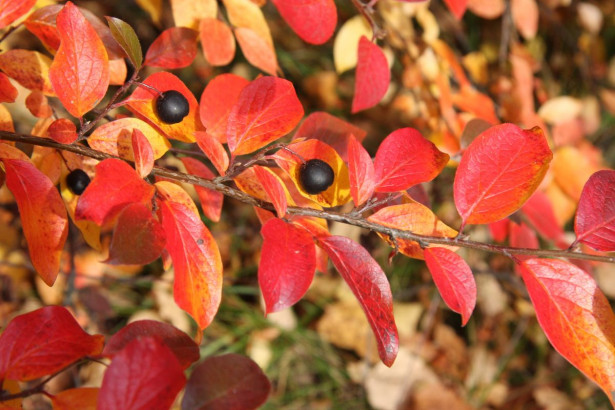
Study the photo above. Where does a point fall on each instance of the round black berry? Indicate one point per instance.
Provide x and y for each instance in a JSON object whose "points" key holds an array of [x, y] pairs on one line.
{"points": [[172, 107], [77, 181], [315, 176]]}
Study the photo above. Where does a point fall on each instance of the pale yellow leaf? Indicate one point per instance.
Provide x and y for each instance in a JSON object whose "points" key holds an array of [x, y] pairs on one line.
{"points": [[560, 109], [244, 13], [188, 13], [346, 45]]}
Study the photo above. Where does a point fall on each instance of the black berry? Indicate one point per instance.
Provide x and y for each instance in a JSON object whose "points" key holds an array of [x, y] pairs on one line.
{"points": [[172, 107], [77, 181], [316, 176]]}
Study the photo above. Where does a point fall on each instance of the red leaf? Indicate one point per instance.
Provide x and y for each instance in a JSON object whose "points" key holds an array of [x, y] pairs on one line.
{"points": [[454, 280], [43, 342], [287, 265], [42, 23], [406, 158], [314, 21], [267, 109], [82, 398], [274, 188], [79, 73], [371, 287], [217, 101], [196, 258], [217, 41], [214, 150], [211, 201], [499, 171], [360, 171], [115, 186], [595, 220], [63, 131], [11, 10], [372, 78], [138, 238], [182, 346], [143, 101], [173, 48], [144, 375], [539, 211], [143, 153], [229, 381], [499, 229], [8, 92], [43, 216], [576, 317], [457, 7], [330, 130], [522, 236], [257, 50]]}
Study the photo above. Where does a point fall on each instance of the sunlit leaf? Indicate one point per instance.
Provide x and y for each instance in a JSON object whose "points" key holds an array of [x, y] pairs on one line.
{"points": [[314, 21], [126, 384], [126, 37], [173, 48], [595, 220], [257, 50], [406, 158], [188, 13], [11, 10], [454, 280], [360, 172], [346, 44], [79, 86], [217, 41], [217, 101], [274, 187], [539, 211], [143, 153], [63, 131], [28, 68], [246, 14], [499, 171], [197, 287], [372, 78], [267, 109], [229, 381], [214, 150], [43, 216], [576, 317], [35, 344], [211, 200], [287, 264], [8, 92], [370, 286]]}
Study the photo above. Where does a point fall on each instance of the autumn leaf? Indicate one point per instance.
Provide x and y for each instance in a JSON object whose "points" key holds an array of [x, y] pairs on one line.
{"points": [[79, 86], [454, 280], [63, 131], [43, 216], [83, 398], [246, 14], [539, 211], [313, 21], [8, 92], [142, 152], [595, 220], [274, 187], [36, 344], [11, 10], [257, 50], [360, 172], [126, 385], [372, 78], [173, 48], [267, 109], [28, 68], [217, 101], [115, 186], [346, 44], [287, 264], [214, 150], [228, 381], [217, 41], [211, 200], [406, 158], [457, 7], [576, 317], [498, 172], [196, 258]]}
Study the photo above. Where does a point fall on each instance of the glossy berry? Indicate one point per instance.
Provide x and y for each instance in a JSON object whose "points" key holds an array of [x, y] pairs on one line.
{"points": [[77, 181], [172, 107], [316, 176]]}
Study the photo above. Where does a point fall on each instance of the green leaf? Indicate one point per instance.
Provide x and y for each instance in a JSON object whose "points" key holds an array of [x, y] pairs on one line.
{"points": [[125, 35]]}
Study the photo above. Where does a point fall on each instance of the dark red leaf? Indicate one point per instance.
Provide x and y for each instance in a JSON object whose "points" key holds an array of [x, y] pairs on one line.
{"points": [[182, 346], [217, 100], [370, 286], [314, 21], [287, 265], [143, 375], [595, 220], [43, 342], [229, 381], [372, 78], [174, 48]]}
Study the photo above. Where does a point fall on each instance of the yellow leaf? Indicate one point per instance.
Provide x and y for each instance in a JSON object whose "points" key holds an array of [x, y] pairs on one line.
{"points": [[188, 13], [244, 13], [346, 45], [153, 8]]}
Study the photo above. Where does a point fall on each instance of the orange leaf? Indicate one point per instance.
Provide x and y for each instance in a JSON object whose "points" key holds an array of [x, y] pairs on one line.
{"points": [[211, 201], [11, 10], [8, 92], [214, 150], [257, 51], [457, 7], [499, 171], [142, 152], [476, 103], [245, 13], [217, 41], [115, 138], [43, 216], [173, 48], [274, 188], [83, 398], [196, 259], [217, 101], [576, 317], [415, 218], [143, 103], [28, 68], [37, 104], [372, 78], [360, 171], [267, 109], [63, 131], [80, 70]]}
